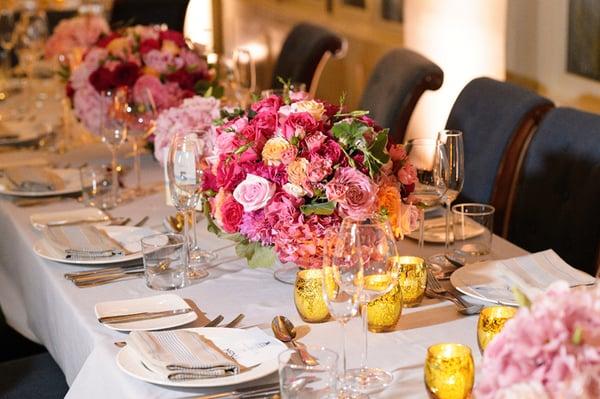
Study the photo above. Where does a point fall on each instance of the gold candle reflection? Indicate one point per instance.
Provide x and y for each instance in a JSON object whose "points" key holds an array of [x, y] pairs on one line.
{"points": [[412, 278], [384, 312], [449, 371], [491, 322], [308, 296]]}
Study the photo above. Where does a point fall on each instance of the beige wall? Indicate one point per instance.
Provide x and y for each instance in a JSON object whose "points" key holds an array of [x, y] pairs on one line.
{"points": [[537, 53]]}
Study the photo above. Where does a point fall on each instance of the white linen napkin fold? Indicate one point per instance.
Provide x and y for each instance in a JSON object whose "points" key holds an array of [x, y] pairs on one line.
{"points": [[87, 241], [181, 355], [33, 179]]}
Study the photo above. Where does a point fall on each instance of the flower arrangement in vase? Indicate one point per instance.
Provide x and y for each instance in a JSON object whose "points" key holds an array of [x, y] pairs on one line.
{"points": [[287, 170]]}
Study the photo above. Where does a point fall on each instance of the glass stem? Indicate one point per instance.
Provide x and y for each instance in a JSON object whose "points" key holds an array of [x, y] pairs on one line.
{"points": [[137, 166], [344, 354], [447, 243], [194, 237], [421, 227], [115, 175], [365, 321], [186, 240]]}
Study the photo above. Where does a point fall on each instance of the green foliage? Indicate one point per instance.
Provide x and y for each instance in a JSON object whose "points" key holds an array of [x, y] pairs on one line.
{"points": [[577, 336], [324, 208], [256, 254]]}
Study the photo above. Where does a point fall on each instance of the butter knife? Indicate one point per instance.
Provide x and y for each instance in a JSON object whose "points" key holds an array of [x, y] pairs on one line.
{"points": [[125, 318]]}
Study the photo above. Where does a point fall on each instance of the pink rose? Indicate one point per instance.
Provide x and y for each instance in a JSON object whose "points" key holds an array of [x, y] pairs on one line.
{"points": [[270, 104], [226, 143], [407, 174], [229, 174], [314, 141], [231, 215], [254, 192], [354, 192], [330, 150], [397, 152], [289, 154], [299, 125], [318, 169]]}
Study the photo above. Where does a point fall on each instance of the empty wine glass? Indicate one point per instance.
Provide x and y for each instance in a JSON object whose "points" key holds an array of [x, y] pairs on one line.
{"points": [[33, 34], [141, 114], [430, 160], [362, 259], [244, 71], [184, 172], [454, 177], [113, 130]]}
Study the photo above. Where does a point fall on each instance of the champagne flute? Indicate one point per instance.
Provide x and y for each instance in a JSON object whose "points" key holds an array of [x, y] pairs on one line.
{"points": [[141, 116], [113, 130], [244, 71], [454, 177], [363, 257], [430, 161], [184, 171]]}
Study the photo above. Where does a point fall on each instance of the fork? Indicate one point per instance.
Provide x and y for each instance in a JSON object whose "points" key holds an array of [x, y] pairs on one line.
{"points": [[434, 285], [235, 321]]}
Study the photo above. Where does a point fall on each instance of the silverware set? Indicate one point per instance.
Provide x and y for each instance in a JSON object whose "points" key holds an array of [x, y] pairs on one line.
{"points": [[435, 290]]}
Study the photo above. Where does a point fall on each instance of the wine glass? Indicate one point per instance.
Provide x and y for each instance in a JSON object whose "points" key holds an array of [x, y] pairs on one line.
{"points": [[363, 261], [454, 177], [244, 72], [184, 172], [33, 34], [430, 161], [141, 114], [113, 130]]}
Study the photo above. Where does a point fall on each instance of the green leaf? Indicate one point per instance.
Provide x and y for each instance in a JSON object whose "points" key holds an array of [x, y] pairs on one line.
{"points": [[521, 298], [376, 156], [243, 148], [208, 92], [263, 257], [325, 208], [351, 134], [577, 336]]}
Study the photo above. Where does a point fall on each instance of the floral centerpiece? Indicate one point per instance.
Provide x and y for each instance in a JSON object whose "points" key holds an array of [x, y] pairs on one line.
{"points": [[73, 36], [550, 349], [288, 170], [145, 59]]}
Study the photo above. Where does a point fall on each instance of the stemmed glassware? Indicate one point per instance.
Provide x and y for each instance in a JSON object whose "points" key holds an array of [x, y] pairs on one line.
{"points": [[454, 177], [113, 130], [141, 115], [363, 268], [8, 38], [34, 32], [184, 172], [429, 158], [244, 71]]}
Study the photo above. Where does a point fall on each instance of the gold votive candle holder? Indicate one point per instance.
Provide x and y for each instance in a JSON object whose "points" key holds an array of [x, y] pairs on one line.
{"points": [[491, 322], [412, 277], [384, 312], [449, 371], [308, 296]]}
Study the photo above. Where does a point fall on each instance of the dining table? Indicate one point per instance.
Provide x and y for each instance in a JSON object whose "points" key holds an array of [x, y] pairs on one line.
{"points": [[41, 304]]}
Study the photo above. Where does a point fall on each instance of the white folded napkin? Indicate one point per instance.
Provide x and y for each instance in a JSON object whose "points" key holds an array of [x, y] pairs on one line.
{"points": [[181, 355], [33, 179], [86, 241]]}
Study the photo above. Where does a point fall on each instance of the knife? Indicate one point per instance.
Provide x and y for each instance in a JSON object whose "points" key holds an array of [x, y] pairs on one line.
{"points": [[125, 318], [265, 390]]}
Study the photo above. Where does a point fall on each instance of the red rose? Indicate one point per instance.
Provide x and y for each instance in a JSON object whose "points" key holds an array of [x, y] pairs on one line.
{"points": [[173, 36], [101, 79], [231, 215], [330, 150], [229, 175], [183, 78], [299, 124], [209, 181], [149, 44], [106, 39], [126, 74]]}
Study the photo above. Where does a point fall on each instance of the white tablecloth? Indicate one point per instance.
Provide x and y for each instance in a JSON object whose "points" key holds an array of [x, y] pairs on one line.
{"points": [[40, 303]]}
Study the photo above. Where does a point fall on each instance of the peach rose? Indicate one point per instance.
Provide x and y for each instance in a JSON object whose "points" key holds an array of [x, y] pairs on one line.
{"points": [[274, 150], [314, 108], [296, 171]]}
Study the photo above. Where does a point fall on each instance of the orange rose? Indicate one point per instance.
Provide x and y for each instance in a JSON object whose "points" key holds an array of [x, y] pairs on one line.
{"points": [[389, 202]]}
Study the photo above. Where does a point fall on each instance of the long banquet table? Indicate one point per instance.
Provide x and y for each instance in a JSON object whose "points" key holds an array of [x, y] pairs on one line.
{"points": [[42, 305]]}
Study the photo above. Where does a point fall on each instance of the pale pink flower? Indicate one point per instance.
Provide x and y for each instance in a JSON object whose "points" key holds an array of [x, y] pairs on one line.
{"points": [[254, 192], [77, 33]]}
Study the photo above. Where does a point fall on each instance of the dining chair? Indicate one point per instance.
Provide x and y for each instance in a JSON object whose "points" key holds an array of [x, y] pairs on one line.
{"points": [[304, 54], [395, 86], [497, 120], [557, 199], [35, 376], [148, 12]]}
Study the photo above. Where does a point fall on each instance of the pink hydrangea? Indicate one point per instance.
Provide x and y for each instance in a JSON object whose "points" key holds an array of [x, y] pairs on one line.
{"points": [[551, 344], [77, 33]]}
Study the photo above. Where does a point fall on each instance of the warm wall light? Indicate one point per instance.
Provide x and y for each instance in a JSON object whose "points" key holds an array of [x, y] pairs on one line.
{"points": [[198, 24], [466, 38]]}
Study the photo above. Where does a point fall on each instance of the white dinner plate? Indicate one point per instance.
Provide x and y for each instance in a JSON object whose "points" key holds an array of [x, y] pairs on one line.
{"points": [[435, 230], [45, 250], [69, 176], [129, 362], [40, 220], [483, 281], [157, 303]]}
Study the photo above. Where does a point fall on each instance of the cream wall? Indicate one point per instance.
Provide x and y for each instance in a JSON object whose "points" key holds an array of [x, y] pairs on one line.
{"points": [[537, 53]]}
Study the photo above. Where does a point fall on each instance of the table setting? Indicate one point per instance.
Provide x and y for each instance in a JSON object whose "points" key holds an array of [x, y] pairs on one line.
{"points": [[172, 242]]}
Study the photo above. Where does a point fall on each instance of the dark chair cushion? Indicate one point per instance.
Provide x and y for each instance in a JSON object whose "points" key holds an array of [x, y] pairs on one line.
{"points": [[149, 12], [394, 87], [32, 377], [497, 120], [301, 53], [557, 202]]}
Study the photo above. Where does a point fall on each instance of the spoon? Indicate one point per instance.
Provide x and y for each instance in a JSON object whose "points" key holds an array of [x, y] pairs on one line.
{"points": [[285, 331]]}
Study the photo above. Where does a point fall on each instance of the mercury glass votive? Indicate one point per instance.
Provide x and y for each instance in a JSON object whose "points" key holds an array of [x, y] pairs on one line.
{"points": [[412, 277], [308, 296], [449, 371], [384, 312], [491, 322]]}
